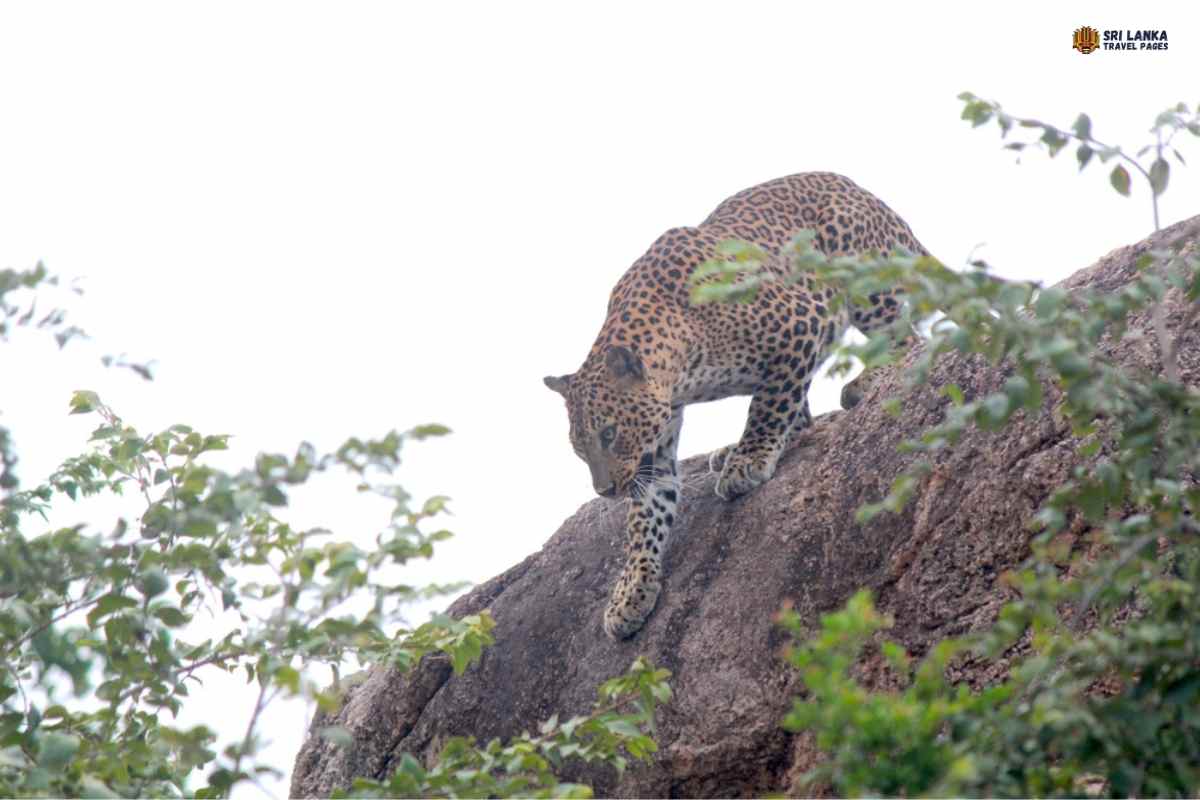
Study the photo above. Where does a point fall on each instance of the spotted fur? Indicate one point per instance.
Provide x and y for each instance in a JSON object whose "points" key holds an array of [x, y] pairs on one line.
{"points": [[657, 353]]}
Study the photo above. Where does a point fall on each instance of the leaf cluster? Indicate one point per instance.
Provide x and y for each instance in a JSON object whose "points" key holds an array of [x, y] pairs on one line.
{"points": [[96, 628], [1103, 640], [107, 633], [621, 723], [1053, 139]]}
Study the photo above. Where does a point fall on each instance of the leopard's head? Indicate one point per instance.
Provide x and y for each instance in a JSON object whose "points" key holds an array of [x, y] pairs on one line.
{"points": [[617, 413]]}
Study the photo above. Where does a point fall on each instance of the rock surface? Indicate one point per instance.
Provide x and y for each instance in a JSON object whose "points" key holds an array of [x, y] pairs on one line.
{"points": [[729, 567]]}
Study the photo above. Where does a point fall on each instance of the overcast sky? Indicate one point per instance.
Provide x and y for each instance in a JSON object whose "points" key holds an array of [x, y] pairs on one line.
{"points": [[325, 220]]}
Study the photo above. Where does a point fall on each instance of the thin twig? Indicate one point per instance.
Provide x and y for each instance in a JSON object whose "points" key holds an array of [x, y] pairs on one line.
{"points": [[20, 686], [259, 704], [66, 613]]}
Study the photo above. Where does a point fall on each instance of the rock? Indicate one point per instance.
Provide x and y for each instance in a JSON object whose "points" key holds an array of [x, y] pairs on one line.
{"points": [[729, 568]]}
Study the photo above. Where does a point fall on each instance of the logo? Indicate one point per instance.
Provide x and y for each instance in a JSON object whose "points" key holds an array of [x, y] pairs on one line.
{"points": [[1086, 40]]}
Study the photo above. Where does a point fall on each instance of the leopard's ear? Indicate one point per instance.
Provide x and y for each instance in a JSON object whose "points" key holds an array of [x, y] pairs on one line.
{"points": [[558, 384], [624, 365]]}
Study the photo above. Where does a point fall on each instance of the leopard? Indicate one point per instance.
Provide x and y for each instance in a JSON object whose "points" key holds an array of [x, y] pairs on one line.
{"points": [[657, 352]]}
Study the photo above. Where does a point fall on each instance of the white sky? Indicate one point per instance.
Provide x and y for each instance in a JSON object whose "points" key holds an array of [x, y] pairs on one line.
{"points": [[325, 220]]}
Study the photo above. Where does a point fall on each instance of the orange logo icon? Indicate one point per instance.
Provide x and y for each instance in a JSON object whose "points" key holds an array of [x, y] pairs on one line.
{"points": [[1086, 40]]}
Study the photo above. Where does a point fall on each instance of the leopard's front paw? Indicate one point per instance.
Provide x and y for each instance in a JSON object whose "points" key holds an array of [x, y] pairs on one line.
{"points": [[716, 459], [741, 475], [633, 598]]}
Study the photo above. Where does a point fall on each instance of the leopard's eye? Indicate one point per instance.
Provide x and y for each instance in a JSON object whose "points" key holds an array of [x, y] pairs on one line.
{"points": [[607, 435]]}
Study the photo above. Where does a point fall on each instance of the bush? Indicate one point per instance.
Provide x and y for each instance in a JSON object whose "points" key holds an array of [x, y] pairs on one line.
{"points": [[1127, 621], [97, 644]]}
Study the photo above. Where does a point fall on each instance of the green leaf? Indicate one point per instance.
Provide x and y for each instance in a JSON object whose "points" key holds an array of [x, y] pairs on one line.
{"points": [[38, 780], [1049, 301], [434, 505], [411, 766], [895, 655], [1119, 178], [83, 402], [199, 524], [622, 727], [1083, 155], [55, 750], [337, 735], [274, 496], [152, 582], [1017, 388], [1160, 174], [1083, 126], [426, 431], [288, 677], [105, 432], [741, 251], [107, 605], [1183, 692], [1054, 140], [172, 617], [214, 443], [994, 411], [463, 653]]}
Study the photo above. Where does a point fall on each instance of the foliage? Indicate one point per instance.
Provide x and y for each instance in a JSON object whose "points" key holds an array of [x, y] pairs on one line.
{"points": [[106, 631], [881, 743], [1053, 139], [1105, 701], [12, 315], [525, 767], [732, 278], [1107, 697]]}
